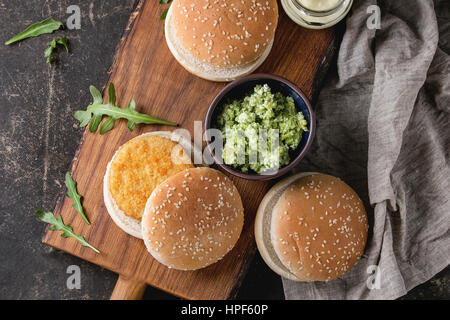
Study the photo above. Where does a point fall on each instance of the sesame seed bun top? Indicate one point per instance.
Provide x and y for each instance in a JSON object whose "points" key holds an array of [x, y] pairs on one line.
{"points": [[319, 228], [225, 33], [192, 219]]}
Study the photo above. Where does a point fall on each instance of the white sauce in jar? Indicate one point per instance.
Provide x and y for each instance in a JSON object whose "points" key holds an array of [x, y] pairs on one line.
{"points": [[320, 5]]}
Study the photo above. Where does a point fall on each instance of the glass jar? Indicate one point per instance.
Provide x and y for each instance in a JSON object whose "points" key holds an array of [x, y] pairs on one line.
{"points": [[316, 14]]}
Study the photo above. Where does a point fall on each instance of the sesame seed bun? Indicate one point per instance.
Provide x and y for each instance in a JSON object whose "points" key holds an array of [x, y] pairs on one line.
{"points": [[221, 40], [311, 227], [136, 168], [193, 219]]}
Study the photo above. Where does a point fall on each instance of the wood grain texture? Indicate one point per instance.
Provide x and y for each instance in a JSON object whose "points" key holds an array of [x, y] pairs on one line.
{"points": [[128, 289], [145, 70]]}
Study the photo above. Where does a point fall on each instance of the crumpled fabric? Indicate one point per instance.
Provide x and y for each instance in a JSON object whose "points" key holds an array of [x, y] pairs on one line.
{"points": [[383, 126]]}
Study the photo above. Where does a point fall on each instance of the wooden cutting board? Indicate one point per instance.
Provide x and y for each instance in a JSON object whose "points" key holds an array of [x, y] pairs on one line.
{"points": [[145, 70]]}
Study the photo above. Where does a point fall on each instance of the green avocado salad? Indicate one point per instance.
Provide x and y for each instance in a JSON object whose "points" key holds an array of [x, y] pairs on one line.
{"points": [[260, 130]]}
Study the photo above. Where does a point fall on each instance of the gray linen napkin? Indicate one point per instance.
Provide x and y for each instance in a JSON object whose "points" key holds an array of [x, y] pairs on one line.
{"points": [[383, 126]]}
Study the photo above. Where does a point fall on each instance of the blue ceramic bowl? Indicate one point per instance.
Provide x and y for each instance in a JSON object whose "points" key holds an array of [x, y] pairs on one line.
{"points": [[243, 86]]}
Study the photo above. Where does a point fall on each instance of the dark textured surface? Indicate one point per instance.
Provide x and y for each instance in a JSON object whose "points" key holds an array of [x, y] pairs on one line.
{"points": [[38, 139]]}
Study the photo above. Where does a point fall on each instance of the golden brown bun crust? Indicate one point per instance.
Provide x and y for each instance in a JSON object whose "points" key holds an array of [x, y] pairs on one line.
{"points": [[319, 228], [193, 219], [225, 33]]}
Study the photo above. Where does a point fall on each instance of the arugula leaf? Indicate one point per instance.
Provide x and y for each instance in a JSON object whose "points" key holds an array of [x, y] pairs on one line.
{"points": [[164, 14], [73, 194], [164, 1], [45, 26], [58, 225], [52, 46], [94, 113], [62, 41]]}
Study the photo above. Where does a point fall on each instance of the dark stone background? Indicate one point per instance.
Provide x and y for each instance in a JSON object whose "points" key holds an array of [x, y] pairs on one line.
{"points": [[38, 139]]}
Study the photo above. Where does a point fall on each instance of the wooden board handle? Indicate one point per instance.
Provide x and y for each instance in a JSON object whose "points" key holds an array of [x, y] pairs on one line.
{"points": [[128, 289]]}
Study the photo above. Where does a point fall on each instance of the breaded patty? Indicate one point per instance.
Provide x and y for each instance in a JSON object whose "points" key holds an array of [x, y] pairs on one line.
{"points": [[138, 167]]}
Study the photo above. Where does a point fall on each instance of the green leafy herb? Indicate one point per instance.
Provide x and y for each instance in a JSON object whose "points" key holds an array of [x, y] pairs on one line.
{"points": [[52, 46], [58, 225], [45, 26], [73, 194], [164, 14], [94, 113]]}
